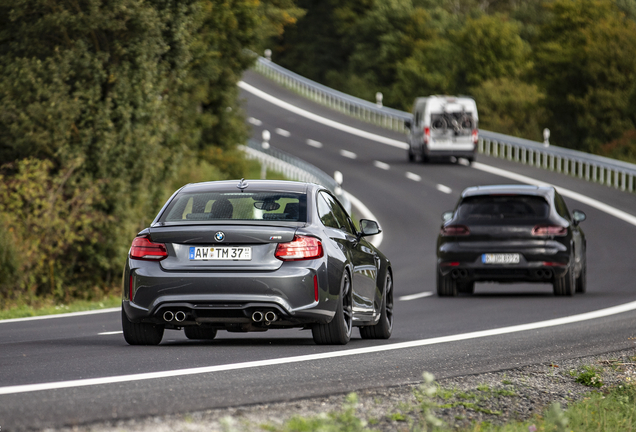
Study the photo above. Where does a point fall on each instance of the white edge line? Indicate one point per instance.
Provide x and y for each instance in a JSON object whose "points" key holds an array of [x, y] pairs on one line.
{"points": [[110, 333], [289, 107], [65, 315], [334, 354], [415, 296]]}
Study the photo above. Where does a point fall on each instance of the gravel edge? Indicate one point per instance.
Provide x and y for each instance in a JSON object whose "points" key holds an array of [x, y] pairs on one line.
{"points": [[513, 394]]}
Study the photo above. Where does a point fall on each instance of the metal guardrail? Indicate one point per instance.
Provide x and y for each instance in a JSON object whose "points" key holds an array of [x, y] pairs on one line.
{"points": [[294, 168], [586, 166]]}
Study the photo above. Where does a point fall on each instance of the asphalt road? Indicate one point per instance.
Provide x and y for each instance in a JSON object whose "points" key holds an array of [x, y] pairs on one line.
{"points": [[445, 336]]}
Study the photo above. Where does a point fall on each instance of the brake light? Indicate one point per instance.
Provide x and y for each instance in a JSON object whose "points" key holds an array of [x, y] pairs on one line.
{"points": [[475, 136], [553, 264], [551, 230], [427, 134], [301, 248], [455, 230], [143, 249]]}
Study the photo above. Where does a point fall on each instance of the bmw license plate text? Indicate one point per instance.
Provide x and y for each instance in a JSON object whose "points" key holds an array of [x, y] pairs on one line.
{"points": [[203, 253], [509, 258]]}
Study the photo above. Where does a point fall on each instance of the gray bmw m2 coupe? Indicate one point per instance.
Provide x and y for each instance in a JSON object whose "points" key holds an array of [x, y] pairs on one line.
{"points": [[256, 255]]}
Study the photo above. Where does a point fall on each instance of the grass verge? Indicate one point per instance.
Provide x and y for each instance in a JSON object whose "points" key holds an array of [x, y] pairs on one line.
{"points": [[49, 306]]}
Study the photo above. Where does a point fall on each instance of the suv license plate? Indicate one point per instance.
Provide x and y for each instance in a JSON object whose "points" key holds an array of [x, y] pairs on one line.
{"points": [[204, 253], [510, 258]]}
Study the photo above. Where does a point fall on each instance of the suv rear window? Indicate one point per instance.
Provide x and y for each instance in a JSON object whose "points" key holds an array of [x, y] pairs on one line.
{"points": [[219, 206], [494, 208]]}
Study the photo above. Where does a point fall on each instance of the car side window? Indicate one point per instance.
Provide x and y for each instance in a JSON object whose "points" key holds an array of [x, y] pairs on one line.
{"points": [[339, 213], [324, 212], [561, 208]]}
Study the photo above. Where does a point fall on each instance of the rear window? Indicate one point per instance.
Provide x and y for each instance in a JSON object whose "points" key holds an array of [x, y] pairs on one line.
{"points": [[491, 209], [218, 206]]}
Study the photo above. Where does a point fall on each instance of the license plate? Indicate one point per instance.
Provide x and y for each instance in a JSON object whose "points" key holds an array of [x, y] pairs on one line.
{"points": [[510, 258], [203, 253]]}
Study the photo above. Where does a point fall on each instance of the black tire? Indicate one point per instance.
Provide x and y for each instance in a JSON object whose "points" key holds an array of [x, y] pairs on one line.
{"points": [[141, 333], [338, 331], [384, 327], [196, 332], [446, 285], [411, 155], [425, 159], [565, 285], [466, 287], [581, 281]]}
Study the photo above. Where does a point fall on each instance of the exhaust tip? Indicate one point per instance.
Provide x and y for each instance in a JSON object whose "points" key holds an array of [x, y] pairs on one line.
{"points": [[257, 316], [168, 316], [270, 317], [180, 316]]}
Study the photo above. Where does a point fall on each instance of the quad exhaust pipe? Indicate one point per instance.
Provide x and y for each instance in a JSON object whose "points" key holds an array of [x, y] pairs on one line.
{"points": [[178, 316], [269, 317], [544, 273]]}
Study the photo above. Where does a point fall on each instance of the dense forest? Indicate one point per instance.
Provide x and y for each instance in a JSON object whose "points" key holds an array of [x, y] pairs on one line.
{"points": [[107, 106], [569, 65]]}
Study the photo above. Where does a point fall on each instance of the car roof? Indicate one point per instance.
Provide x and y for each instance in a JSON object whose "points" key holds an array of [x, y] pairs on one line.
{"points": [[543, 191], [252, 185]]}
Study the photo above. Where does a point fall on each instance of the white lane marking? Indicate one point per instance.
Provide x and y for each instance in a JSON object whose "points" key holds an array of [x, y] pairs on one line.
{"points": [[365, 213], [381, 165], [110, 333], [415, 296], [566, 192], [66, 315], [327, 355], [289, 107], [412, 176], [255, 122], [442, 188], [348, 154], [282, 132], [314, 143]]}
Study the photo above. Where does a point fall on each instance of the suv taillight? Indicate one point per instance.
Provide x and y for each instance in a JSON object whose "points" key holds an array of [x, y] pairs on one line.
{"points": [[143, 249], [475, 136], [301, 248], [549, 230], [455, 230]]}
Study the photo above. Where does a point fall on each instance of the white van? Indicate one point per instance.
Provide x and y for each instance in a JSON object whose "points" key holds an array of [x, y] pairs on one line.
{"points": [[443, 126]]}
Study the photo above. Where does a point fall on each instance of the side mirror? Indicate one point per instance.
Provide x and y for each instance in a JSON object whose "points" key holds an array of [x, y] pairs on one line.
{"points": [[407, 124], [369, 228], [446, 216], [578, 216]]}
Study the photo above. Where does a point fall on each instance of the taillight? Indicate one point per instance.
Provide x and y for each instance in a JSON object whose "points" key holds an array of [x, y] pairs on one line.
{"points": [[475, 136], [549, 230], [144, 249], [301, 248], [455, 230], [427, 134]]}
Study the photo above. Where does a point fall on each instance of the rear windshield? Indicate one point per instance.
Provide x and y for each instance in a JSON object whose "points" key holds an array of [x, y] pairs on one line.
{"points": [[218, 206], [496, 208]]}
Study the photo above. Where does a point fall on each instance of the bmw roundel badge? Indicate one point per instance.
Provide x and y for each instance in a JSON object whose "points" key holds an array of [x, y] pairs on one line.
{"points": [[219, 236]]}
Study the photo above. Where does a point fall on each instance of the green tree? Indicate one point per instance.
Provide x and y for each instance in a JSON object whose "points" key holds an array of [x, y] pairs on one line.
{"points": [[586, 62]]}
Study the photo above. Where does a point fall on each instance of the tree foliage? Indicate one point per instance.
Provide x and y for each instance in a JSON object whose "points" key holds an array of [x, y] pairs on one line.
{"points": [[102, 104]]}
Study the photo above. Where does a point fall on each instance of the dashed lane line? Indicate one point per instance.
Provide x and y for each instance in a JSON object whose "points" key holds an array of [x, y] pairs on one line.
{"points": [[412, 176], [416, 296], [381, 165], [442, 188], [348, 154], [314, 143], [282, 132], [254, 121]]}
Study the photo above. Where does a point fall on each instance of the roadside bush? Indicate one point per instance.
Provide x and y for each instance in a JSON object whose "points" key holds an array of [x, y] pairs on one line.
{"points": [[48, 219]]}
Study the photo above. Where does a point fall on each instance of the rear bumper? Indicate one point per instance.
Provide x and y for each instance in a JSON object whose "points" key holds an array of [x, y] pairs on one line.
{"points": [[228, 299]]}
